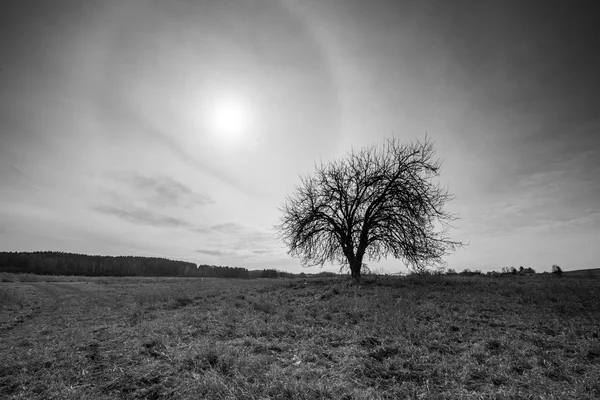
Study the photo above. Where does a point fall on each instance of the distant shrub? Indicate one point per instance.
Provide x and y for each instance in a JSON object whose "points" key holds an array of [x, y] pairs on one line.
{"points": [[326, 274], [509, 270], [468, 272], [556, 270]]}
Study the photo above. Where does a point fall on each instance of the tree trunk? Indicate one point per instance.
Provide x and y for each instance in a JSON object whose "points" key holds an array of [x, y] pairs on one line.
{"points": [[355, 265]]}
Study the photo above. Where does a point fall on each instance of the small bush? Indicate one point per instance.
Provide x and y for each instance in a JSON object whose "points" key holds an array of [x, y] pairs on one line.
{"points": [[556, 270]]}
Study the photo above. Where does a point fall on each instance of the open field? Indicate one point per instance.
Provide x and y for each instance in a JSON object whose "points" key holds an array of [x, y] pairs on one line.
{"points": [[583, 273], [176, 338]]}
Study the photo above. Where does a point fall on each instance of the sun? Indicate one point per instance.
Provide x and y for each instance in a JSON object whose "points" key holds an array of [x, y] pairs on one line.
{"points": [[229, 119]]}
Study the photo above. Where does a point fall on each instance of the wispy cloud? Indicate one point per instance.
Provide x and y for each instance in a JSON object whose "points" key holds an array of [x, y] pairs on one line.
{"points": [[142, 216], [227, 228], [25, 179], [214, 252], [237, 241], [537, 202], [161, 191], [564, 225], [19, 171], [260, 252]]}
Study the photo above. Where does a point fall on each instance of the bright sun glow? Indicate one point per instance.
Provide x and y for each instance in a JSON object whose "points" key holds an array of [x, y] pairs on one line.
{"points": [[229, 119]]}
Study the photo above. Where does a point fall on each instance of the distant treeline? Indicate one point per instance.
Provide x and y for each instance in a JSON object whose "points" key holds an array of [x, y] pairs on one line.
{"points": [[59, 263]]}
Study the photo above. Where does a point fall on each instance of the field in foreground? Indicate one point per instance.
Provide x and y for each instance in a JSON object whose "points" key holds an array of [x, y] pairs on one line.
{"points": [[168, 338]]}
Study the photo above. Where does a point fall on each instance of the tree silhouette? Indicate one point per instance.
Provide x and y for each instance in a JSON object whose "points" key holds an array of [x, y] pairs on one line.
{"points": [[377, 201], [556, 270]]}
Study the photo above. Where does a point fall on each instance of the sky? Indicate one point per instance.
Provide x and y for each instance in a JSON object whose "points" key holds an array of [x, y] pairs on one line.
{"points": [[176, 128]]}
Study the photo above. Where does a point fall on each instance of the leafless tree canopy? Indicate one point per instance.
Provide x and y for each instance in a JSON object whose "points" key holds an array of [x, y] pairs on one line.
{"points": [[378, 201]]}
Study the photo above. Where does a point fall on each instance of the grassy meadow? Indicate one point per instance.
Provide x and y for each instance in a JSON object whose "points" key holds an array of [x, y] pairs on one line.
{"points": [[515, 337]]}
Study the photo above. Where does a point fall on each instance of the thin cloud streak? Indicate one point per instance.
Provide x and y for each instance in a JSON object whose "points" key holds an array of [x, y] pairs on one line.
{"points": [[213, 252], [238, 242], [20, 172], [142, 216], [160, 191]]}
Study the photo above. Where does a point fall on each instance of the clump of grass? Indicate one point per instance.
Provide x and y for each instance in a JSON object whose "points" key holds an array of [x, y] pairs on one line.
{"points": [[152, 295], [11, 297], [263, 307], [181, 301], [149, 297], [330, 293], [210, 359], [154, 347]]}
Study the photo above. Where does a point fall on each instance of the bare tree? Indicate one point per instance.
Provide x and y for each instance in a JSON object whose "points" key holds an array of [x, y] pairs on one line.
{"points": [[377, 201]]}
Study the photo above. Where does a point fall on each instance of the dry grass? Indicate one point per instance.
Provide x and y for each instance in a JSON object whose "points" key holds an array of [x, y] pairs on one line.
{"points": [[151, 338]]}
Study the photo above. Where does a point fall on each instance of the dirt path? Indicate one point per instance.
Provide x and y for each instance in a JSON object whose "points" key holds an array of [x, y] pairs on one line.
{"points": [[30, 303], [58, 305], [51, 326]]}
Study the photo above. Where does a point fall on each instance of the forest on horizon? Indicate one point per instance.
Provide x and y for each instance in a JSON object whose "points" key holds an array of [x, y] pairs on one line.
{"points": [[61, 263]]}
